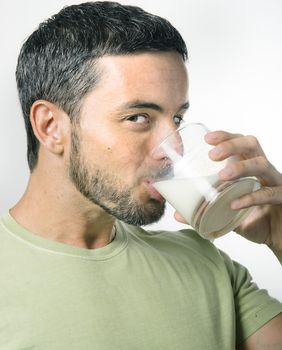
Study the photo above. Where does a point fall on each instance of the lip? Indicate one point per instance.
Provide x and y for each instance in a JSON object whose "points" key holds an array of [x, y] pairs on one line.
{"points": [[152, 191]]}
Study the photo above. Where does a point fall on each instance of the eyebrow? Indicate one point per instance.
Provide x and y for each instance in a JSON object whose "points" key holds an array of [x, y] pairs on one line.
{"points": [[151, 105]]}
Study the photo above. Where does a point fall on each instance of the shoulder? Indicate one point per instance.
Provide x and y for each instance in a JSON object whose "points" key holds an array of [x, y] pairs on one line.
{"points": [[186, 244]]}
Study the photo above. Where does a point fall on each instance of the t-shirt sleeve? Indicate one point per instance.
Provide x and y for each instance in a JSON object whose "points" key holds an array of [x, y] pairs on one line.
{"points": [[254, 307]]}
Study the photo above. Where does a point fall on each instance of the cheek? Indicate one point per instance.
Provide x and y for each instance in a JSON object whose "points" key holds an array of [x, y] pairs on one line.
{"points": [[109, 155], [126, 161], [116, 152], [98, 146]]}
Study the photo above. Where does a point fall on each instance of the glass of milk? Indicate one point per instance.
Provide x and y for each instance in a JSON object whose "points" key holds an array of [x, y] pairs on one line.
{"points": [[189, 181]]}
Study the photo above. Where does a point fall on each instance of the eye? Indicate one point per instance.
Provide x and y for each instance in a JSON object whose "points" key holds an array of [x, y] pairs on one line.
{"points": [[178, 119], [139, 119]]}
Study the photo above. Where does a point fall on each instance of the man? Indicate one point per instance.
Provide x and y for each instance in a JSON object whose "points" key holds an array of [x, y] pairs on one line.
{"points": [[100, 85]]}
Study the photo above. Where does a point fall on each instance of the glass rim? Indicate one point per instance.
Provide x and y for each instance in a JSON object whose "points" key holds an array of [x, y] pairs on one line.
{"points": [[181, 127]]}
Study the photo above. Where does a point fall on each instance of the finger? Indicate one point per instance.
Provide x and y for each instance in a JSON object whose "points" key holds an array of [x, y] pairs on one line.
{"points": [[258, 166], [180, 218], [215, 137], [246, 146], [265, 195]]}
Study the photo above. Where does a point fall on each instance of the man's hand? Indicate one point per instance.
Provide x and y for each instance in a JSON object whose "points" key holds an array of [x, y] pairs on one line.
{"points": [[264, 224]]}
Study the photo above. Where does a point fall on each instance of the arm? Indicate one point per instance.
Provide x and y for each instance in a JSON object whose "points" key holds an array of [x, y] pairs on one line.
{"points": [[264, 224], [268, 337]]}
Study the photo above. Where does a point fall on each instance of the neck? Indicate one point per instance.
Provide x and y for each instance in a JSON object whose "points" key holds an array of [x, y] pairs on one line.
{"points": [[55, 210]]}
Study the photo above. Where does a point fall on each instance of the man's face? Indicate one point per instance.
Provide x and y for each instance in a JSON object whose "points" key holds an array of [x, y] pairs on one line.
{"points": [[140, 99]]}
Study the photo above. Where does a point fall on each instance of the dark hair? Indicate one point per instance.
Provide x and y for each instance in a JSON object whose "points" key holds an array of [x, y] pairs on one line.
{"points": [[57, 61]]}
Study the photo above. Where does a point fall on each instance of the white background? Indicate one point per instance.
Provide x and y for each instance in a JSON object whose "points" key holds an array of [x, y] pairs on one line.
{"points": [[235, 58]]}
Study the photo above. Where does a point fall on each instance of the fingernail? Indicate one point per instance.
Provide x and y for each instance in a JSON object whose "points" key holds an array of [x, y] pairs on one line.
{"points": [[226, 172], [215, 152], [235, 204], [211, 136]]}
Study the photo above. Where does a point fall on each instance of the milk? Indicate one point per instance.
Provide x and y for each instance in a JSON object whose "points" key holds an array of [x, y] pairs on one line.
{"points": [[205, 201], [186, 194]]}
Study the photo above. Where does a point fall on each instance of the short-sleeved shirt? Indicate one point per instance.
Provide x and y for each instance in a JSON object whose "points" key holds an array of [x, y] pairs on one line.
{"points": [[144, 290]]}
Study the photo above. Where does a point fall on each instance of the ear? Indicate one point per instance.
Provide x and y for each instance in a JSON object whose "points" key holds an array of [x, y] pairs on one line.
{"points": [[48, 123]]}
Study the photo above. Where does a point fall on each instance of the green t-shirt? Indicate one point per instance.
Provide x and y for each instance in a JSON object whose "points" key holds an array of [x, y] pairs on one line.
{"points": [[143, 291]]}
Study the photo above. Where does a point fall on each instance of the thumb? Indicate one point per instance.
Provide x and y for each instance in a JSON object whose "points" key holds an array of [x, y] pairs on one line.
{"points": [[180, 218]]}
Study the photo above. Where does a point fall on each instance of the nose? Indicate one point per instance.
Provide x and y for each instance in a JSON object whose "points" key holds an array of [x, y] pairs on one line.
{"points": [[169, 148]]}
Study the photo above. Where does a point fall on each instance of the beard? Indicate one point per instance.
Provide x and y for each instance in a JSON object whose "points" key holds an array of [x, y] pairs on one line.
{"points": [[104, 189]]}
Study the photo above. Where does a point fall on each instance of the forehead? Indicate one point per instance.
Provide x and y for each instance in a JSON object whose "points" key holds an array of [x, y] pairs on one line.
{"points": [[159, 75], [162, 60]]}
